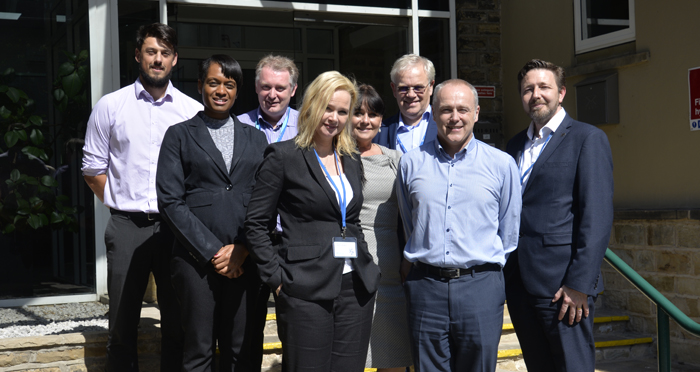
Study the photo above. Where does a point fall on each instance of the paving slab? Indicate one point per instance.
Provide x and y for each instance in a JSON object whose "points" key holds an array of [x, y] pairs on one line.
{"points": [[640, 365]]}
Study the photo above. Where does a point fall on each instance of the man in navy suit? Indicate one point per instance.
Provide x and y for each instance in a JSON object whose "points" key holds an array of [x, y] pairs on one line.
{"points": [[412, 82], [553, 278]]}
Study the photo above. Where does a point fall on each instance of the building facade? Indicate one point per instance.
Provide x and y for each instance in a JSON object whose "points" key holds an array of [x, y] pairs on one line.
{"points": [[627, 64], [62, 56]]}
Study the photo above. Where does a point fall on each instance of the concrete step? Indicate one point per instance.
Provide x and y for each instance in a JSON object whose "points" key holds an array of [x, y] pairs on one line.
{"points": [[626, 365], [638, 365], [612, 341], [607, 322], [77, 352], [86, 351]]}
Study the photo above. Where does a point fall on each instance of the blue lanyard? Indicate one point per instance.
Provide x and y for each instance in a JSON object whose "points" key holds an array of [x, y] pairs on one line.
{"points": [[522, 159], [398, 140], [284, 125], [341, 199]]}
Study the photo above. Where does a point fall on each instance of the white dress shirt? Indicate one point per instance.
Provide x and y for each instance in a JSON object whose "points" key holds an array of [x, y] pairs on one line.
{"points": [[535, 144]]}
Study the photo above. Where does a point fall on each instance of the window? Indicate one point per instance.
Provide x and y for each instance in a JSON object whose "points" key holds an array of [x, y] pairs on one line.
{"points": [[49, 250], [603, 23]]}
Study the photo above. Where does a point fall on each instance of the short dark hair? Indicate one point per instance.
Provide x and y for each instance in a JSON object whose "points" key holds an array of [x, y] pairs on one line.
{"points": [[538, 64], [229, 67], [162, 32], [369, 96]]}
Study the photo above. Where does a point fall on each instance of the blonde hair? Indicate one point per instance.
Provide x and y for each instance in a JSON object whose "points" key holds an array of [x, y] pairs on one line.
{"points": [[278, 63], [316, 99]]}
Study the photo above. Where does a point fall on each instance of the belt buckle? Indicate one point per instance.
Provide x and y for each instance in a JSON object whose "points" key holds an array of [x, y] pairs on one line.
{"points": [[148, 216], [449, 273]]}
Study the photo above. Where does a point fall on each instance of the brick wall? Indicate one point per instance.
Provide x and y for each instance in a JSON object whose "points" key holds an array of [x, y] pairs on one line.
{"points": [[479, 59], [664, 248]]}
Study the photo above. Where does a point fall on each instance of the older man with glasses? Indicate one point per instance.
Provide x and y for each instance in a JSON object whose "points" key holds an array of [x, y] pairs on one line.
{"points": [[412, 81]]}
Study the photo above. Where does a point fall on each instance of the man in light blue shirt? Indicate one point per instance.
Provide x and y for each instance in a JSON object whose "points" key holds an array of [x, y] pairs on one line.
{"points": [[460, 203], [412, 81], [275, 84]]}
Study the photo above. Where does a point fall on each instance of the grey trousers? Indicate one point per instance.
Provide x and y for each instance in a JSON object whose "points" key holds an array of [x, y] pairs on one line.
{"points": [[455, 324], [136, 247]]}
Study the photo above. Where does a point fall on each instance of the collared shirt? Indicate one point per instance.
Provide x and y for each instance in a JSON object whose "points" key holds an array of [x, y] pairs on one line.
{"points": [[123, 140], [535, 145], [459, 212], [412, 136], [272, 130]]}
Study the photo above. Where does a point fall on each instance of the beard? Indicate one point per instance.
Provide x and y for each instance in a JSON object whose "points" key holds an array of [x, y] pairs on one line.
{"points": [[150, 81], [543, 115]]}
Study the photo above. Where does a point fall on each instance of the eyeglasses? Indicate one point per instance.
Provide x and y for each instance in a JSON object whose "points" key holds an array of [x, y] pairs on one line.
{"points": [[417, 89]]}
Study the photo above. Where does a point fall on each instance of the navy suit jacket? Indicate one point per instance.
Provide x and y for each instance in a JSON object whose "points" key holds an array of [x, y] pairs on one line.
{"points": [[387, 132], [567, 212]]}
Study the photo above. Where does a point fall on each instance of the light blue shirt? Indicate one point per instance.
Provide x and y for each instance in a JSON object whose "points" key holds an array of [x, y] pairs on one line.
{"points": [[459, 212], [412, 136], [272, 130]]}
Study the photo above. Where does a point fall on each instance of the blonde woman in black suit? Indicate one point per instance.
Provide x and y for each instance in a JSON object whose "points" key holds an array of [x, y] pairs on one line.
{"points": [[321, 271]]}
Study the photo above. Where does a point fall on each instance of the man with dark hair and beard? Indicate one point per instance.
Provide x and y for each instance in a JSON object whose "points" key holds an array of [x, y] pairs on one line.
{"points": [[122, 144], [566, 177]]}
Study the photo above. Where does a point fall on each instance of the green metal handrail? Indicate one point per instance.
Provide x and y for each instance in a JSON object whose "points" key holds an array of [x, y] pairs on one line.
{"points": [[664, 309]]}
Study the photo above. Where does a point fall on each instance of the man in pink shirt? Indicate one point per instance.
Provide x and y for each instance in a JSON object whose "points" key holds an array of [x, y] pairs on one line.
{"points": [[121, 150]]}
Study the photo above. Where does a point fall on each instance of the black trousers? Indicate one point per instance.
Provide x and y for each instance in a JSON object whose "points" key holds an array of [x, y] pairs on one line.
{"points": [[217, 310], [548, 344], [135, 247], [326, 336], [258, 319]]}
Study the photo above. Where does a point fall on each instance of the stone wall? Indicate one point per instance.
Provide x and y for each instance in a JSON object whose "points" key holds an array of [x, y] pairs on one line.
{"points": [[664, 248], [74, 352], [479, 60]]}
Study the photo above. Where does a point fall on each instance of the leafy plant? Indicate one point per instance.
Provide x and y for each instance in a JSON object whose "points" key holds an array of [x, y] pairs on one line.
{"points": [[29, 200], [70, 95]]}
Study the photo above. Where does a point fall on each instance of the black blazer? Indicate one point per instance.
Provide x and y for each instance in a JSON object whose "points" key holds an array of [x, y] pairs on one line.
{"points": [[567, 211], [290, 183], [387, 132], [204, 203]]}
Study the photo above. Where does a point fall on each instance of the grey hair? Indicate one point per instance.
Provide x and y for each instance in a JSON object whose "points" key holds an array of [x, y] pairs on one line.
{"points": [[408, 61], [278, 63], [438, 88]]}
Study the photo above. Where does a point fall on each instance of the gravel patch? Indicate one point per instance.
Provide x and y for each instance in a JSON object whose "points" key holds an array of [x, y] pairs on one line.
{"points": [[42, 320]]}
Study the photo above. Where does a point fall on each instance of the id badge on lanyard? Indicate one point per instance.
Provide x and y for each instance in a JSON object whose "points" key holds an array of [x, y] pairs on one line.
{"points": [[343, 246]]}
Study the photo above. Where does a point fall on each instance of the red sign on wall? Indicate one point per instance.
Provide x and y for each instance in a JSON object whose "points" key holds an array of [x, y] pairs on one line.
{"points": [[694, 90], [485, 91]]}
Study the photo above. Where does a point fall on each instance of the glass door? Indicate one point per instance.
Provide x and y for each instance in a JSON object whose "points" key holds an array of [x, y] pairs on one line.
{"points": [[363, 47]]}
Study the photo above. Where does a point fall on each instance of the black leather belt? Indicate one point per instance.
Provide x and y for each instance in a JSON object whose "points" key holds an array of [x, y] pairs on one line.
{"points": [[454, 273], [137, 216]]}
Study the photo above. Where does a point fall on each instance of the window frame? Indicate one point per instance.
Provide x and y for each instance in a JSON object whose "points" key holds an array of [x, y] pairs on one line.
{"points": [[603, 41]]}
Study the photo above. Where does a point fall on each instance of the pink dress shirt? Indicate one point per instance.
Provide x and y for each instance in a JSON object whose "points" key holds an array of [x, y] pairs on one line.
{"points": [[123, 140]]}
